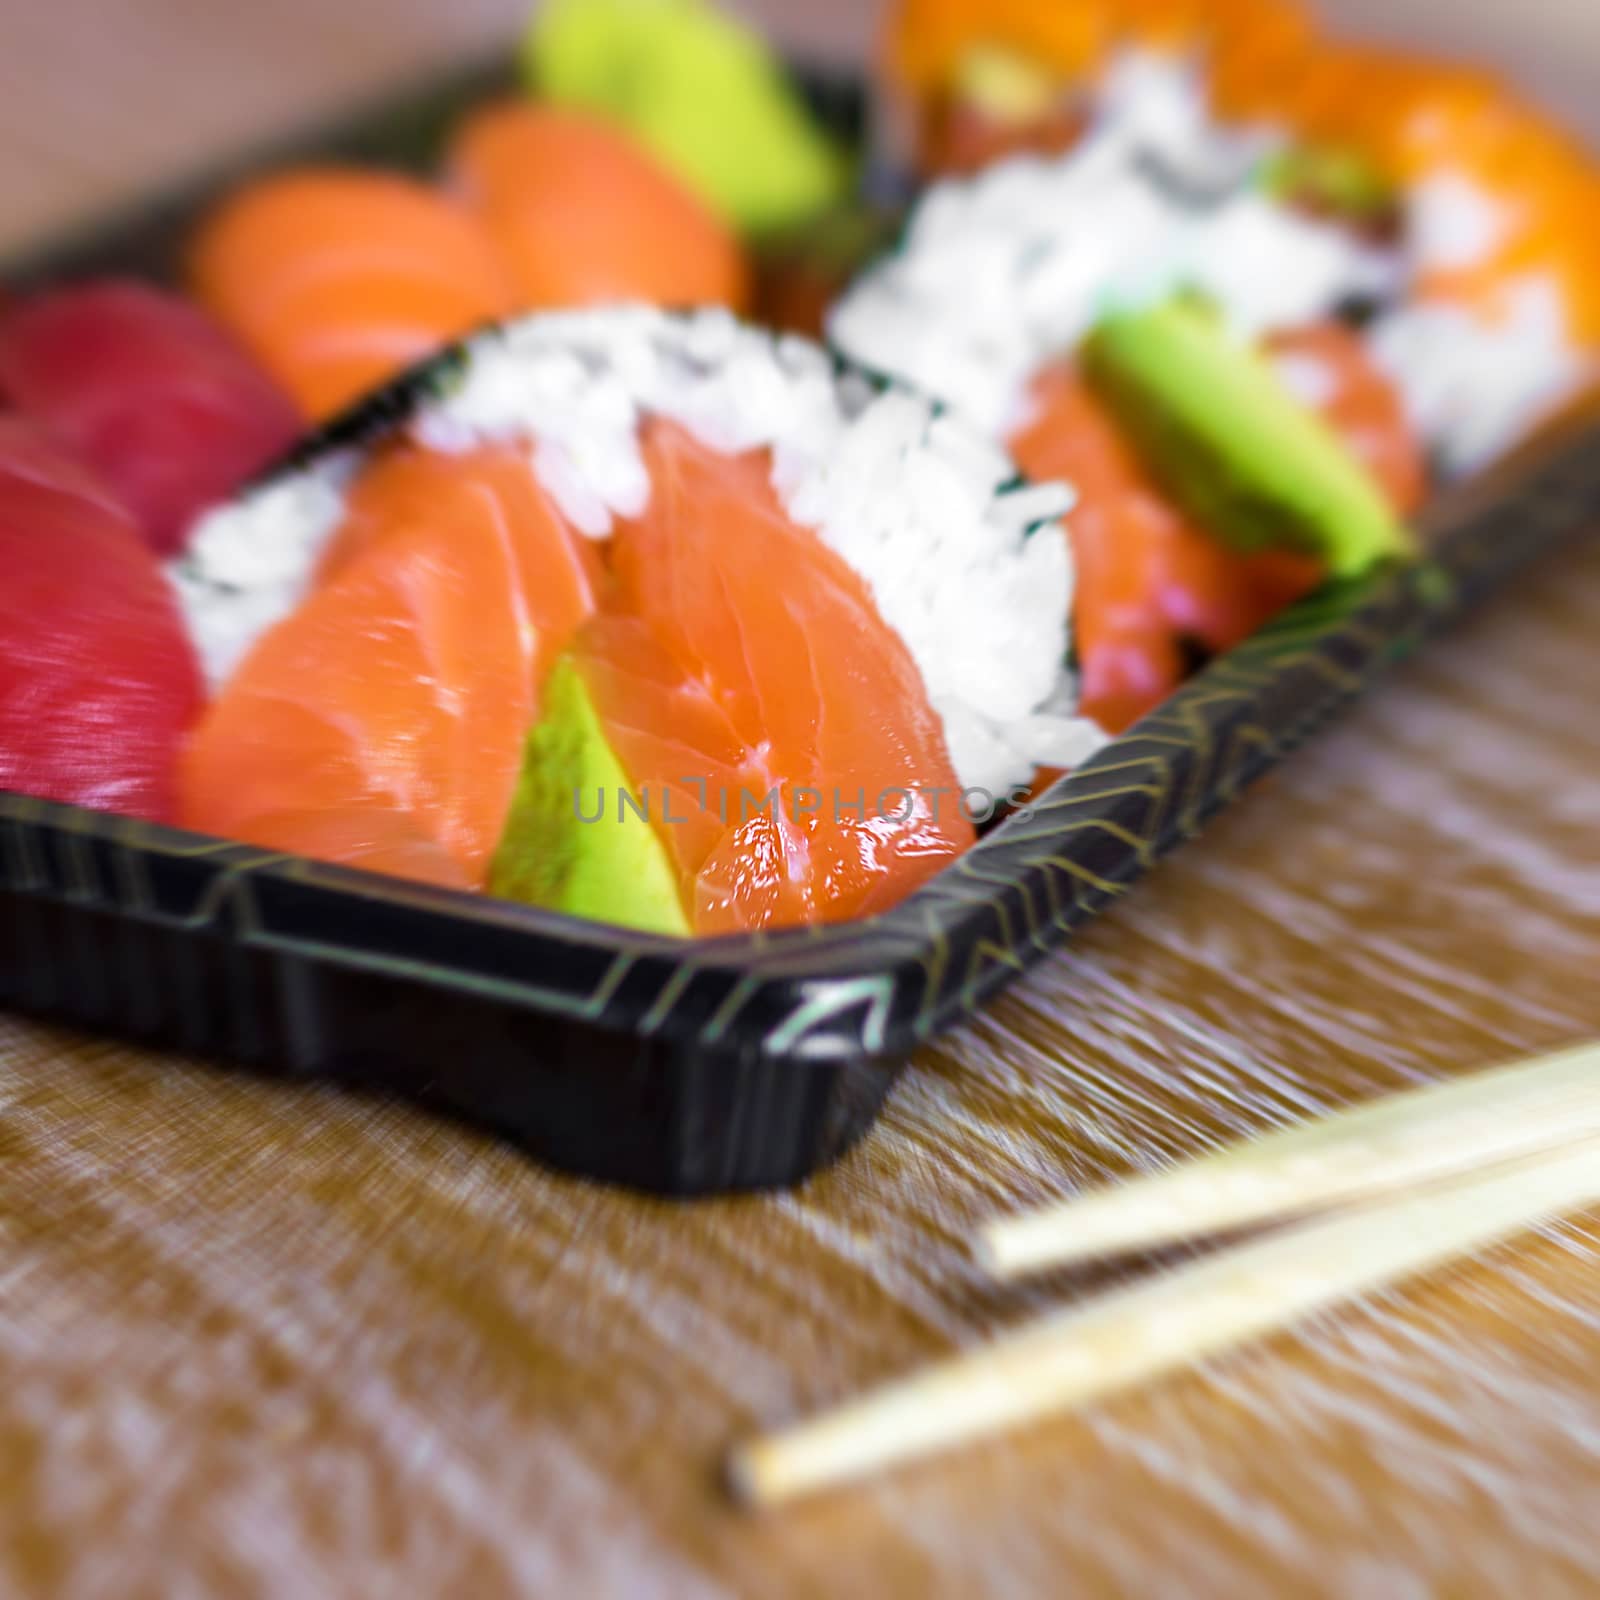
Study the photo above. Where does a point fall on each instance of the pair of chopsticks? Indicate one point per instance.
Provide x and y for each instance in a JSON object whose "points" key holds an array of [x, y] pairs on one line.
{"points": [[1359, 1200]]}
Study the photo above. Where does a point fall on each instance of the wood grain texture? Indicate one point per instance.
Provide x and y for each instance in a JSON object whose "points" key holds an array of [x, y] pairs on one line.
{"points": [[262, 1340]]}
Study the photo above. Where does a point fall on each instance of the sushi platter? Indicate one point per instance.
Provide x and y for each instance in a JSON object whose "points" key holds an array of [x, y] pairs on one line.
{"points": [[632, 693]]}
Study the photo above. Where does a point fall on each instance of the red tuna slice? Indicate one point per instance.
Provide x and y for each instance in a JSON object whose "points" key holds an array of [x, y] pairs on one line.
{"points": [[98, 680], [157, 398]]}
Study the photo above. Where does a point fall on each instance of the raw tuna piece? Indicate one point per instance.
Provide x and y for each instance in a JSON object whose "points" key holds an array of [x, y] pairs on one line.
{"points": [[167, 409], [98, 681]]}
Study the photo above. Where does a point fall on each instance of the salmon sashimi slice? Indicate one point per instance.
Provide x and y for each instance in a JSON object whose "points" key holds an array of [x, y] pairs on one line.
{"points": [[742, 659], [406, 486], [338, 278], [584, 215], [381, 724]]}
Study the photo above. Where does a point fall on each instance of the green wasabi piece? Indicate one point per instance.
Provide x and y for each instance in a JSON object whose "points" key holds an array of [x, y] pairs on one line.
{"points": [[609, 869], [1226, 438], [700, 90]]}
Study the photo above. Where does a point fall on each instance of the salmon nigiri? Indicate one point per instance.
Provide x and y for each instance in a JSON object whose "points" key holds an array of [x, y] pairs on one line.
{"points": [[381, 723], [583, 214], [338, 278]]}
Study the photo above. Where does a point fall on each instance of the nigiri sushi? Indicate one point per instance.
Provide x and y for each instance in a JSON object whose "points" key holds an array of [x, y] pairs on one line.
{"points": [[98, 681], [583, 215], [144, 387], [337, 278], [829, 614]]}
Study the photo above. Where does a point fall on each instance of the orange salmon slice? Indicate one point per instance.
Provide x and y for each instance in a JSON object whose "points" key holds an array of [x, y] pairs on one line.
{"points": [[743, 656], [338, 278], [381, 724]]}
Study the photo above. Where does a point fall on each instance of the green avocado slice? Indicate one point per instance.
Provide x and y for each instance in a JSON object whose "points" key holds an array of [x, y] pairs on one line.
{"points": [[699, 89], [1226, 438], [613, 868]]}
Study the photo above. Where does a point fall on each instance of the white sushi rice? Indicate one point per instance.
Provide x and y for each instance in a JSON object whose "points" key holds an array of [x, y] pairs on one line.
{"points": [[1001, 273], [249, 563], [1473, 387], [968, 566]]}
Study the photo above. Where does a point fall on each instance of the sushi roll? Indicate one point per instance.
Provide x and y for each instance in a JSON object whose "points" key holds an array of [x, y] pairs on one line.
{"points": [[1141, 317], [821, 633], [145, 388], [338, 278], [98, 682], [1493, 321]]}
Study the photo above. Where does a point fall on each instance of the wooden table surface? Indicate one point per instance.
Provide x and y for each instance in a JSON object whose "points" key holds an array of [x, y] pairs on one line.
{"points": [[265, 1340]]}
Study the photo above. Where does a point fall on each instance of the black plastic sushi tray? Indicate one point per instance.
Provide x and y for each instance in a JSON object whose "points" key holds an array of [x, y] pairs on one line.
{"points": [[675, 1067]]}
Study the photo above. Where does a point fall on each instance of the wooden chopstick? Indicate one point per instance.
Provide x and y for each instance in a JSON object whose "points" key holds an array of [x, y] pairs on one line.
{"points": [[1390, 1145], [1185, 1315]]}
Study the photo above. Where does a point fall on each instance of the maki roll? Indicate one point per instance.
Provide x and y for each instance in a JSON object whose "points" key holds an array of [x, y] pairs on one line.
{"points": [[1142, 317], [998, 274], [1494, 318], [820, 633]]}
